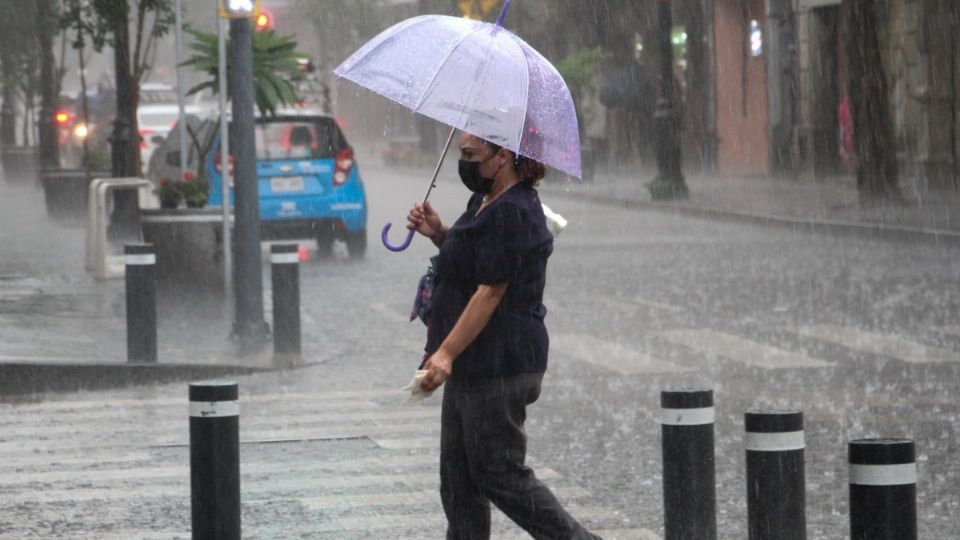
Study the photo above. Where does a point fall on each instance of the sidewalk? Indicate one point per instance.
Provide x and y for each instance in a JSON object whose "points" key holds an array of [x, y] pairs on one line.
{"points": [[829, 205]]}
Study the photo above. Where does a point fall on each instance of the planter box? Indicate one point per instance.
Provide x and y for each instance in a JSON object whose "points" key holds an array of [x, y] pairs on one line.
{"points": [[65, 193], [19, 163], [189, 248]]}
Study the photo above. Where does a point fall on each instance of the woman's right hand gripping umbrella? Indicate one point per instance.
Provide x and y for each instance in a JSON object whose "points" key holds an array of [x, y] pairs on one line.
{"points": [[426, 221]]}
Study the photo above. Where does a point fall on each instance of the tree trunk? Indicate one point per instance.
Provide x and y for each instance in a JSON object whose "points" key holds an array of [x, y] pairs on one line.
{"points": [[126, 139], [877, 178], [8, 113], [49, 149]]}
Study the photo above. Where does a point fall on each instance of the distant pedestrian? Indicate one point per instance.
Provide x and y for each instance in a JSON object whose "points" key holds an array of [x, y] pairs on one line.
{"points": [[487, 340]]}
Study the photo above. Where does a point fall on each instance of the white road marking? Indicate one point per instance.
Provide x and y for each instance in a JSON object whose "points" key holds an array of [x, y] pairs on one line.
{"points": [[893, 346], [738, 349], [390, 313], [951, 329], [609, 355]]}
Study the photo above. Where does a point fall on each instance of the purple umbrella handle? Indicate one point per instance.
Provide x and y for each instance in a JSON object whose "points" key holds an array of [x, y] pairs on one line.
{"points": [[503, 12], [384, 237]]}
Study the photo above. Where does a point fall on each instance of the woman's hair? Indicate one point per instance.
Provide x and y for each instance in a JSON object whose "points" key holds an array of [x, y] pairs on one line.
{"points": [[528, 169]]}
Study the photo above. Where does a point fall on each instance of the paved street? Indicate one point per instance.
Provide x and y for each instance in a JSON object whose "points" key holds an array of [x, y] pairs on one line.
{"points": [[862, 335]]}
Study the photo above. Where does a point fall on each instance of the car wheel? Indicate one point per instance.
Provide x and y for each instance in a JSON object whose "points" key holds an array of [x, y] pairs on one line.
{"points": [[357, 244], [324, 246]]}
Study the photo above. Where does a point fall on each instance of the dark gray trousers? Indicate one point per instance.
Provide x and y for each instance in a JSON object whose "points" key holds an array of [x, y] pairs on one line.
{"points": [[482, 451]]}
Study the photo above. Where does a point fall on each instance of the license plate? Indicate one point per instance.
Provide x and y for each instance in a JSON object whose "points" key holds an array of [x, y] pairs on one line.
{"points": [[286, 183]]}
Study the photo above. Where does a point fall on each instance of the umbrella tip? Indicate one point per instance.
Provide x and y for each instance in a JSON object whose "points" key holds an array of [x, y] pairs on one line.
{"points": [[503, 12]]}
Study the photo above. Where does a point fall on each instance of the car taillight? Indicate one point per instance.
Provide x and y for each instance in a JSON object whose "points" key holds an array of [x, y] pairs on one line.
{"points": [[217, 161], [343, 164], [144, 134]]}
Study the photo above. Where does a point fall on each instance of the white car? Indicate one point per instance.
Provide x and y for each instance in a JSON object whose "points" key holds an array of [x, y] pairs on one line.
{"points": [[158, 113]]}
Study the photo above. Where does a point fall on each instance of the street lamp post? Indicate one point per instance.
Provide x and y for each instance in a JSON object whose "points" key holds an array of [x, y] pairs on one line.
{"points": [[669, 183], [249, 325]]}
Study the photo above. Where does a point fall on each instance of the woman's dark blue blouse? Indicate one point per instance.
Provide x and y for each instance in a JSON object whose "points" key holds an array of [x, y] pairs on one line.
{"points": [[508, 242]]}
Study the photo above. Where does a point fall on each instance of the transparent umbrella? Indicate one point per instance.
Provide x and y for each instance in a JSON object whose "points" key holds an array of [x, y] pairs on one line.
{"points": [[476, 77]]}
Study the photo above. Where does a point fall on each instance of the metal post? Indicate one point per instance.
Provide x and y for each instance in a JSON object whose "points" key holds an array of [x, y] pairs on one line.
{"points": [[883, 489], [249, 325], [215, 460], [669, 183], [182, 116], [141, 293], [225, 173], [689, 476], [285, 277], [775, 475]]}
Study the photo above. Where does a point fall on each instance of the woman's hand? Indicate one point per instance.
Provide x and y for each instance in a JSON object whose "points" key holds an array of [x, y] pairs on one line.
{"points": [[425, 220], [438, 367]]}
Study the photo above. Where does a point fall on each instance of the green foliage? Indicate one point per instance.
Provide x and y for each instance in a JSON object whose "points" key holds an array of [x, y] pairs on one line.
{"points": [[580, 69], [98, 157], [275, 63], [97, 19], [194, 191]]}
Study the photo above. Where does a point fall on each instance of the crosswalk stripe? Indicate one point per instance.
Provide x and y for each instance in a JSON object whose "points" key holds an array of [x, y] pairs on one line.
{"points": [[738, 349], [341, 397], [880, 344], [92, 469], [415, 498], [420, 521], [174, 481], [407, 444], [178, 436], [104, 474], [612, 356], [951, 329], [389, 313], [249, 420], [606, 534]]}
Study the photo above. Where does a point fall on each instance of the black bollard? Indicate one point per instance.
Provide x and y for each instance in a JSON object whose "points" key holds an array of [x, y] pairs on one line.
{"points": [[215, 460], [883, 489], [689, 476], [141, 293], [775, 475], [285, 276]]}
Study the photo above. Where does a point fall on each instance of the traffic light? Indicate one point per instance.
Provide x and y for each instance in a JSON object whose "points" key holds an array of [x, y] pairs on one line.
{"points": [[238, 9], [477, 9], [263, 21]]}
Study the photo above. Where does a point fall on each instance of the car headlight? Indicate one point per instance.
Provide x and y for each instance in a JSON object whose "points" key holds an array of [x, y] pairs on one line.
{"points": [[81, 131]]}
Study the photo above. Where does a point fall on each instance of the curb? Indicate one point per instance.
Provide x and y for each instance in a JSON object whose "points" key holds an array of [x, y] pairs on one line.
{"points": [[22, 378], [876, 231]]}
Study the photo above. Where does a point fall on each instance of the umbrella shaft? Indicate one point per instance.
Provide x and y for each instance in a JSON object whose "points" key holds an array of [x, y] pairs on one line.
{"points": [[433, 181]]}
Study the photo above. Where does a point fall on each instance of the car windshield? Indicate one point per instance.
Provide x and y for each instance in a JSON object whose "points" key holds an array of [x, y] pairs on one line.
{"points": [[279, 139]]}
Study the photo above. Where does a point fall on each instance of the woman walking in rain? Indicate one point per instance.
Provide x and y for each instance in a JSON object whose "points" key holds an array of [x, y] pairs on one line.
{"points": [[488, 343]]}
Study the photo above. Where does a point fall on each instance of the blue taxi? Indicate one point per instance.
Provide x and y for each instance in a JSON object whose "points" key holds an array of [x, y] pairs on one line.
{"points": [[308, 181]]}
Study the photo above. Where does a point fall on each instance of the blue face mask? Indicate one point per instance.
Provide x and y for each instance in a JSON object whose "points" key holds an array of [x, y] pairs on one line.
{"points": [[471, 177]]}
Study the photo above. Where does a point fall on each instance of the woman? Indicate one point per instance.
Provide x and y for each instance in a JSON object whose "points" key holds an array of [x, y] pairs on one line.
{"points": [[487, 341]]}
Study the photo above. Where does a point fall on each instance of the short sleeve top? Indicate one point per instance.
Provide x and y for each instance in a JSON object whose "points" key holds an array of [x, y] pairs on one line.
{"points": [[508, 242]]}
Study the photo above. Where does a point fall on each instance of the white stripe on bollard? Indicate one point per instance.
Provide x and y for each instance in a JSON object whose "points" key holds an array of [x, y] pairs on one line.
{"points": [[141, 259], [883, 475], [774, 442], [686, 417], [214, 409], [284, 258]]}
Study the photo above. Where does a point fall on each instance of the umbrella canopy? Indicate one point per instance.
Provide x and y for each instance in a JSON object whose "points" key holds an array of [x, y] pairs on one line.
{"points": [[476, 77]]}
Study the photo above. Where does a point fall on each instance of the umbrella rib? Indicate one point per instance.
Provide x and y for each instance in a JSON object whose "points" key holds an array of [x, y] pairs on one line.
{"points": [[526, 95], [436, 73]]}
